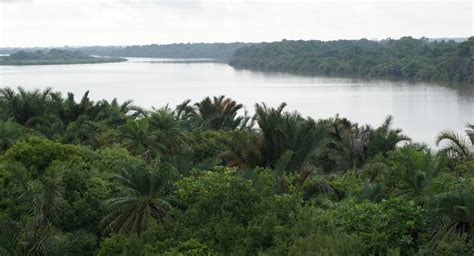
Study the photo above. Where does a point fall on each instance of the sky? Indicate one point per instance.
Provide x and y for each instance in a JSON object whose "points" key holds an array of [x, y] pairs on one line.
{"points": [[28, 23]]}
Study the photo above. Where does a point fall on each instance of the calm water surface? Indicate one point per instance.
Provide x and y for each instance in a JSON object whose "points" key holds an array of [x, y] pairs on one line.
{"points": [[420, 109]]}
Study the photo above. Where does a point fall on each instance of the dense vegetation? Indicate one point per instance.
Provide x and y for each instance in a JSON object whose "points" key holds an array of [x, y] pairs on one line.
{"points": [[109, 178], [218, 51], [54, 56], [221, 51], [406, 58]]}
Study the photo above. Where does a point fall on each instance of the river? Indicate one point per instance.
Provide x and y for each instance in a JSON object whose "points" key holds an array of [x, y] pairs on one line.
{"points": [[420, 109]]}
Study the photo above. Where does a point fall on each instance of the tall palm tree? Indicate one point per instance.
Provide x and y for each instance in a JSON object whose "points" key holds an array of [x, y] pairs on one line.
{"points": [[26, 107], [385, 139], [9, 231], [72, 110], [44, 196], [242, 148], [167, 131], [354, 144], [272, 124], [347, 142], [358, 140], [452, 199], [283, 132], [10, 132], [115, 114], [220, 113], [137, 137], [143, 200], [83, 131], [458, 146], [185, 110], [414, 166]]}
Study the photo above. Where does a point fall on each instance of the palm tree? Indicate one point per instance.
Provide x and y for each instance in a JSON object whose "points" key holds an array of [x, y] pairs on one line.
{"points": [[9, 231], [452, 199], [358, 140], [10, 132], [272, 126], [185, 111], [83, 131], [458, 146], [144, 200], [27, 107], [71, 110], [283, 133], [347, 143], [220, 113], [415, 168], [115, 114], [385, 139], [242, 148], [374, 192], [167, 131], [354, 145], [137, 137], [36, 235]]}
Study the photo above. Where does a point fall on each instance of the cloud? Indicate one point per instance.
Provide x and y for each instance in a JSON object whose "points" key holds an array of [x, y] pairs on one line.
{"points": [[122, 22], [15, 1]]}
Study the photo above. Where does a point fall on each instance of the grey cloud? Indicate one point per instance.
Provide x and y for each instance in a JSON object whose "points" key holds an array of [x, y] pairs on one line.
{"points": [[16, 1]]}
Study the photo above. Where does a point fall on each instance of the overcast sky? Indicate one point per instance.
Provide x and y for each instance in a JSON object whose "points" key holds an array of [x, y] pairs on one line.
{"points": [[123, 22]]}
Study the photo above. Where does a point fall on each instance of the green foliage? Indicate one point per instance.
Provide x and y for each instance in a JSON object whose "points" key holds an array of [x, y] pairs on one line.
{"points": [[220, 113], [189, 50], [166, 129], [393, 223], [452, 199], [229, 213], [103, 178], [190, 247], [143, 200], [285, 133], [83, 197], [458, 146], [405, 58], [120, 245], [53, 56], [79, 242], [217, 192], [410, 170], [452, 246], [137, 137], [384, 139], [10, 132], [29, 108], [36, 154], [334, 243], [65, 120]]}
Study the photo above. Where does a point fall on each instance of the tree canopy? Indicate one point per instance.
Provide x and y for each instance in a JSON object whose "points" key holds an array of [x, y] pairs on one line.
{"points": [[204, 178], [406, 58], [53, 56]]}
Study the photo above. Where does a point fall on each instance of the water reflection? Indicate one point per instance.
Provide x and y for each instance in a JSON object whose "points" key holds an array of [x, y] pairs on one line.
{"points": [[421, 109]]}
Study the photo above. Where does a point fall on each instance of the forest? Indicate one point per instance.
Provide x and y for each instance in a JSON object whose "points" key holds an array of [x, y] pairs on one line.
{"points": [[84, 177], [218, 51], [53, 57], [406, 58]]}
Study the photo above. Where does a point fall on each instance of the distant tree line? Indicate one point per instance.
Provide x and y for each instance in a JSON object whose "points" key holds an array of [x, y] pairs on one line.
{"points": [[405, 58], [195, 50], [54, 56], [219, 51]]}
